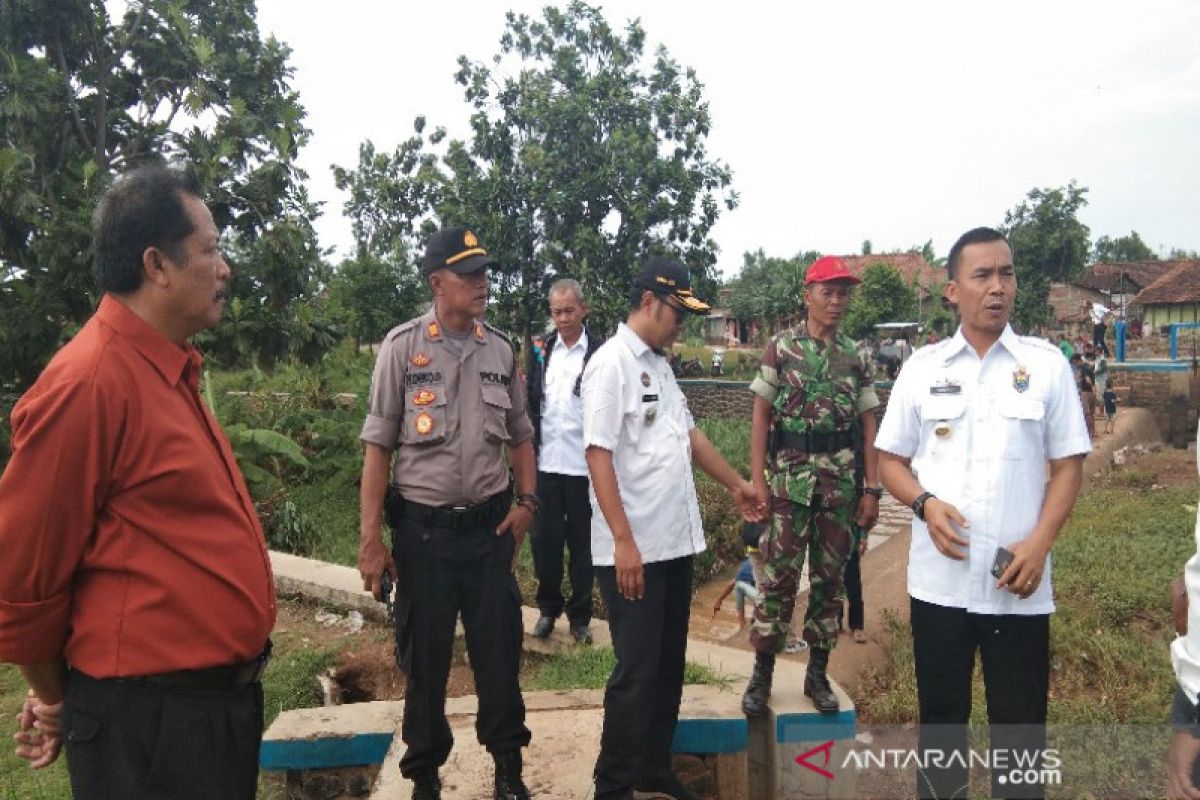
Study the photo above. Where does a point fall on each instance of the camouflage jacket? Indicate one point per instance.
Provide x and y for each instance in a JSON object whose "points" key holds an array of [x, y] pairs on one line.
{"points": [[813, 388]]}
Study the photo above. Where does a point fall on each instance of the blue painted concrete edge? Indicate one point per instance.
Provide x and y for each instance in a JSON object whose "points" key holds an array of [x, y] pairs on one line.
{"points": [[710, 736], [810, 727], [341, 751]]}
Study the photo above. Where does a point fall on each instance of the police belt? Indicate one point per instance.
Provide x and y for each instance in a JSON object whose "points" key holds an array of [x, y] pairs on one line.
{"points": [[458, 518], [224, 677], [814, 442]]}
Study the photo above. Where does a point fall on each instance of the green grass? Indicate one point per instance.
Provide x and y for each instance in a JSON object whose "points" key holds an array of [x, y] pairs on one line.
{"points": [[589, 668], [738, 365], [17, 780]]}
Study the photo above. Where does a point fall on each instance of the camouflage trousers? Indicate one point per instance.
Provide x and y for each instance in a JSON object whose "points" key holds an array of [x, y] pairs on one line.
{"points": [[826, 535]]}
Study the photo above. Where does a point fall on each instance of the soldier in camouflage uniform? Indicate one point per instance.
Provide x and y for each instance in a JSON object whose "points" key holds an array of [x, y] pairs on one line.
{"points": [[815, 402]]}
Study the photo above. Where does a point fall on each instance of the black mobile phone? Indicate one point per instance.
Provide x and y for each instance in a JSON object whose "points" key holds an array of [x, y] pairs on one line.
{"points": [[1001, 562]]}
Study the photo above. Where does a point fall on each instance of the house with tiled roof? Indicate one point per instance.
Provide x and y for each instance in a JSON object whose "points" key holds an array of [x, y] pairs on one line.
{"points": [[1122, 280], [1173, 297], [913, 267]]}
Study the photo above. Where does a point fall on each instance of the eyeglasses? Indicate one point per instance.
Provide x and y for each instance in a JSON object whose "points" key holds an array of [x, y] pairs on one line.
{"points": [[677, 309]]}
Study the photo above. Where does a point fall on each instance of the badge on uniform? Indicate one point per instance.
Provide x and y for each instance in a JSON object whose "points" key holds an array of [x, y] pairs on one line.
{"points": [[419, 360], [946, 386], [942, 428], [434, 330], [1020, 378], [645, 379], [424, 398], [424, 424], [479, 331]]}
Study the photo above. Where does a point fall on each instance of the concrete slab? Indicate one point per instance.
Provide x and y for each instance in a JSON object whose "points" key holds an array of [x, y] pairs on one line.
{"points": [[326, 583]]}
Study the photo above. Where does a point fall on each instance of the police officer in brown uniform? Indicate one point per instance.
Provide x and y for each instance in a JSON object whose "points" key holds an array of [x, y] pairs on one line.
{"points": [[445, 401]]}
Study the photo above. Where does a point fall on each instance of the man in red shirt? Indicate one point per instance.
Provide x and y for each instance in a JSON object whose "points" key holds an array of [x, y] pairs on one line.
{"points": [[136, 593]]}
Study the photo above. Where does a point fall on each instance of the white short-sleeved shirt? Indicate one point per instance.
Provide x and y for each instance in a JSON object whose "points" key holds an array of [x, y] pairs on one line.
{"points": [[979, 433], [633, 408], [562, 411], [1185, 650]]}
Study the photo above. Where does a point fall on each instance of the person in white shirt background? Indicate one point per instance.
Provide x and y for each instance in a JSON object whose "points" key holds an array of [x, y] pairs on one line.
{"points": [[553, 386], [1183, 759], [641, 444], [970, 427]]}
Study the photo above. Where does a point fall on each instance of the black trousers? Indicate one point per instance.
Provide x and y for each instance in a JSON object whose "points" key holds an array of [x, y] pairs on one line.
{"points": [[854, 596], [641, 701], [443, 573], [1015, 653], [129, 739], [1098, 342], [565, 519]]}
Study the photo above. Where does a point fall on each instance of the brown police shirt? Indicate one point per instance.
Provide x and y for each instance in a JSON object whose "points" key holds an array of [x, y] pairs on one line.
{"points": [[446, 414]]}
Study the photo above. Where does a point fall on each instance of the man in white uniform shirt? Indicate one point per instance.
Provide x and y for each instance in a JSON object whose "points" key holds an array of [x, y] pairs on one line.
{"points": [[971, 425], [641, 443], [565, 518]]}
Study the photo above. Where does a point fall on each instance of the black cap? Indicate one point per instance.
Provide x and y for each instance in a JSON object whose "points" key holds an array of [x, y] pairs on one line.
{"points": [[667, 276], [455, 249]]}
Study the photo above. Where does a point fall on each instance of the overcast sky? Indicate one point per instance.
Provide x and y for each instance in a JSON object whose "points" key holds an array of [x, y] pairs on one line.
{"points": [[896, 122]]}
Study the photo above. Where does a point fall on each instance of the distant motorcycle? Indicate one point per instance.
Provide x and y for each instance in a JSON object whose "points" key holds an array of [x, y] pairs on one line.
{"points": [[688, 368]]}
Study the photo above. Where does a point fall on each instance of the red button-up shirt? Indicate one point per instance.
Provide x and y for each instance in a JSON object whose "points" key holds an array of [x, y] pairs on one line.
{"points": [[128, 541]]}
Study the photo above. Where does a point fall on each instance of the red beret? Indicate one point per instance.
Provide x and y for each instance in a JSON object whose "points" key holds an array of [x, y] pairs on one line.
{"points": [[829, 268]]}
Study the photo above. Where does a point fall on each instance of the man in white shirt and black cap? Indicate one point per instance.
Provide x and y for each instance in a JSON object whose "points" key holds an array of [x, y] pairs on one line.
{"points": [[646, 530], [984, 437]]}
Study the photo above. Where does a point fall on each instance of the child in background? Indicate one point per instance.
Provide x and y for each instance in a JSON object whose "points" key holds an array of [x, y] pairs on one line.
{"points": [[1110, 408], [745, 584]]}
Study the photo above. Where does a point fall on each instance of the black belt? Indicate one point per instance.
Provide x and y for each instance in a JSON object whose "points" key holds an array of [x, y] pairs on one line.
{"points": [[226, 677], [814, 442], [459, 518]]}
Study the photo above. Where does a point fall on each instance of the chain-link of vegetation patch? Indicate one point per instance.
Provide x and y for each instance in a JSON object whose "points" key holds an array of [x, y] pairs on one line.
{"points": [[590, 668]]}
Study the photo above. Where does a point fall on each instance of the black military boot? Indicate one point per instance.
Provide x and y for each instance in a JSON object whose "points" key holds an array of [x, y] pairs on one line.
{"points": [[426, 785], [816, 683], [758, 690], [509, 785]]}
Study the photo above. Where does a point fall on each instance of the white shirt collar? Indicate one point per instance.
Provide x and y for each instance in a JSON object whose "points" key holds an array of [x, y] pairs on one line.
{"points": [[1008, 338], [632, 340], [582, 341]]}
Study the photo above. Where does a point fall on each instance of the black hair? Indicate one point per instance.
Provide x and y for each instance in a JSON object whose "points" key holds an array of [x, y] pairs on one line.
{"points": [[143, 208], [973, 236]]}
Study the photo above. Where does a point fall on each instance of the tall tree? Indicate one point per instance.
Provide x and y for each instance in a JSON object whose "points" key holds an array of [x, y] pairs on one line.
{"points": [[585, 156], [84, 96], [1049, 244], [883, 296], [371, 295], [1122, 248]]}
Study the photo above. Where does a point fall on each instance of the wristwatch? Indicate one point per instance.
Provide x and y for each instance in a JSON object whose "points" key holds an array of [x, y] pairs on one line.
{"points": [[531, 502], [874, 491], [918, 505]]}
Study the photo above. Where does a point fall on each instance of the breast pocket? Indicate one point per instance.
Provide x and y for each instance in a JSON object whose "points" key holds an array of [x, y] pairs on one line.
{"points": [[424, 416], [943, 421], [1022, 419], [496, 405]]}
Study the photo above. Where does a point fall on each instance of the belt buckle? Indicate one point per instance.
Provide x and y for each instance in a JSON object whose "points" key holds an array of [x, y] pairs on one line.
{"points": [[460, 509]]}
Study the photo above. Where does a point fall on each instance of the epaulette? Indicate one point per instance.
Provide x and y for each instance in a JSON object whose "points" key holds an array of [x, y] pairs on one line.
{"points": [[926, 350], [498, 332], [401, 328], [1039, 342]]}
